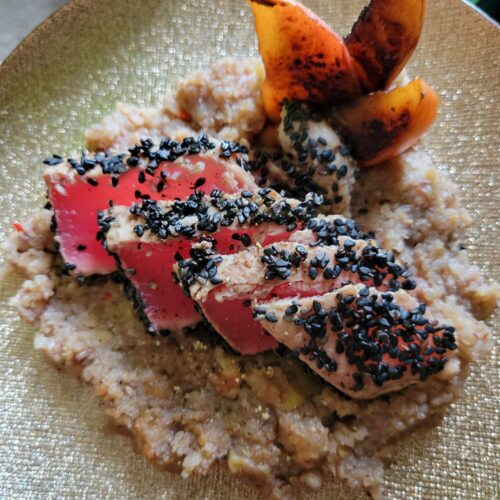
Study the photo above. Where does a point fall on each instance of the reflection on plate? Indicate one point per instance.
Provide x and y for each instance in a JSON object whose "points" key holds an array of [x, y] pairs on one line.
{"points": [[69, 73]]}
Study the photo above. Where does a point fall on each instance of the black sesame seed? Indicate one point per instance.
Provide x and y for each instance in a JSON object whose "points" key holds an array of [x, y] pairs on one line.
{"points": [[409, 284], [245, 240], [313, 273], [341, 171], [328, 273], [326, 155], [271, 317], [301, 251], [52, 161], [199, 182], [344, 150], [139, 230], [133, 161], [67, 267], [384, 323]]}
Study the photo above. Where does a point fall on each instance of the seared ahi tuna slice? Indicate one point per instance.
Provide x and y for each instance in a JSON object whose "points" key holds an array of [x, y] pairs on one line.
{"points": [[80, 188], [285, 269], [362, 341], [312, 158], [150, 236], [232, 318]]}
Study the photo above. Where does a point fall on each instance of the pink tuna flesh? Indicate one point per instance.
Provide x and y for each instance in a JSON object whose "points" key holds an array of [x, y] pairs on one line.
{"points": [[233, 318], [149, 267]]}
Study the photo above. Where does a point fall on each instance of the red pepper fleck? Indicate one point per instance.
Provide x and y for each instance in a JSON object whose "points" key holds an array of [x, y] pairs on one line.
{"points": [[184, 115], [106, 296], [18, 227]]}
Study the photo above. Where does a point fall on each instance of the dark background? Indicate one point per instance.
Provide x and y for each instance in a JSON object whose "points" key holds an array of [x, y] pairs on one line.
{"points": [[491, 7]]}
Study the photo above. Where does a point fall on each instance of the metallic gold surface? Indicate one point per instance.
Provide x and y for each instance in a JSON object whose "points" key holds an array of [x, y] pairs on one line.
{"points": [[68, 74]]}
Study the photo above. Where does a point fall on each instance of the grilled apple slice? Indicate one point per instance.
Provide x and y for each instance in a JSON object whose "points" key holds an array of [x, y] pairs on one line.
{"points": [[304, 58], [382, 125], [383, 39]]}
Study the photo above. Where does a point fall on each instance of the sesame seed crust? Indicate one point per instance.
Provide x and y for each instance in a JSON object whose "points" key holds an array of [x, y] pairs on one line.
{"points": [[321, 256], [147, 156], [362, 341], [203, 214]]}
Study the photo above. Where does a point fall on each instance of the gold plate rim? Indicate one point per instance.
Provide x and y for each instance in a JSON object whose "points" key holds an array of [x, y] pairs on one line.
{"points": [[29, 46]]}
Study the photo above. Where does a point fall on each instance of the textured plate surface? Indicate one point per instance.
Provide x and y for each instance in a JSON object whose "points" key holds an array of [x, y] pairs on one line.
{"points": [[70, 72]]}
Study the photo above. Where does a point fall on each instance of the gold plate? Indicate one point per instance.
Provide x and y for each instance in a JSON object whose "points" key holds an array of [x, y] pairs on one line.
{"points": [[70, 72]]}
